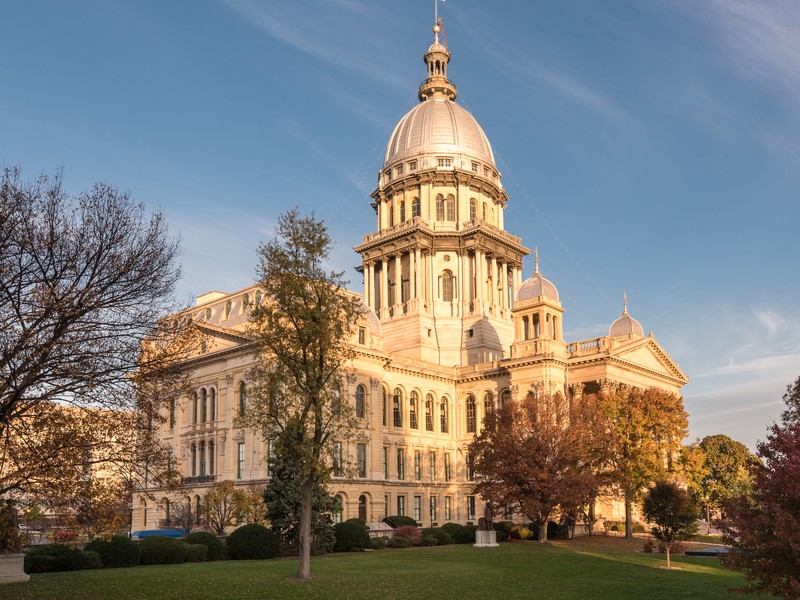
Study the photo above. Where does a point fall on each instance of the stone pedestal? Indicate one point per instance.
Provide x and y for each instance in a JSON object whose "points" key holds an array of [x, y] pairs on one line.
{"points": [[12, 568], [486, 539]]}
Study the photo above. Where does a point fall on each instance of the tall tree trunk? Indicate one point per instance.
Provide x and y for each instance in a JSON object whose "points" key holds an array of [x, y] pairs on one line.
{"points": [[667, 546], [304, 565], [708, 518], [628, 517], [591, 517], [542, 529]]}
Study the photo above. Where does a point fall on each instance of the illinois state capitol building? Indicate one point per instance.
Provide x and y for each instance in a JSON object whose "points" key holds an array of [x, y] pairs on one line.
{"points": [[450, 331]]}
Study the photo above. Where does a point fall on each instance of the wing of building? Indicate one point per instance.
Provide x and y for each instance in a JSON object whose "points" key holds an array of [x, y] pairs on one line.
{"points": [[450, 331]]}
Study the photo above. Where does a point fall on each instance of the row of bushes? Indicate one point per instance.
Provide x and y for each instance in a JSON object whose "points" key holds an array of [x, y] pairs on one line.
{"points": [[620, 526], [248, 542]]}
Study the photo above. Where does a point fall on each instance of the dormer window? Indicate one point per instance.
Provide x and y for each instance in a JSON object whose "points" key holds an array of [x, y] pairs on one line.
{"points": [[444, 161]]}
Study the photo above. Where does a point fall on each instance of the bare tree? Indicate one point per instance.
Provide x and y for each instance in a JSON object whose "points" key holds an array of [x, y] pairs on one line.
{"points": [[83, 281]]}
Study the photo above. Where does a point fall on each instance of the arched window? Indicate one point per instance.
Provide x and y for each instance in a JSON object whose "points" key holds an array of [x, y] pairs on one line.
{"points": [[413, 406], [439, 207], [415, 208], [258, 297], [473, 208], [203, 405], [336, 399], [429, 412], [504, 398], [213, 404], [484, 212], [397, 407], [338, 511], [402, 211], [447, 286], [385, 408], [362, 507], [242, 399], [208, 313], [470, 409], [444, 416], [228, 309], [194, 409], [245, 302], [194, 459], [211, 457], [361, 408], [488, 403], [450, 208]]}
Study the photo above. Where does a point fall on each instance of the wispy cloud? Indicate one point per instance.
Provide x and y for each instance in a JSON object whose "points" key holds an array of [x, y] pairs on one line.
{"points": [[338, 32]]}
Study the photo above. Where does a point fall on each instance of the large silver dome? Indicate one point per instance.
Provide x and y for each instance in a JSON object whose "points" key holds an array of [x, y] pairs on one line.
{"points": [[439, 126]]}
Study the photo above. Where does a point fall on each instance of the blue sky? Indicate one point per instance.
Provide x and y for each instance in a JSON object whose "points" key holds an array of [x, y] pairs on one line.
{"points": [[647, 147]]}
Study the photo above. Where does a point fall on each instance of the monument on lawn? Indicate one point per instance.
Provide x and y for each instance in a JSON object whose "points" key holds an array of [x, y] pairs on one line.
{"points": [[486, 536]]}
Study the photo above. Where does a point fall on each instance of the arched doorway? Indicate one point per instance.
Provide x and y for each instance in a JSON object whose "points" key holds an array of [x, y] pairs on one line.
{"points": [[362, 507]]}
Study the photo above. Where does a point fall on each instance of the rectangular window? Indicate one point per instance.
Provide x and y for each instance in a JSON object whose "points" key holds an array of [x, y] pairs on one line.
{"points": [[399, 170], [418, 508], [211, 458], [475, 166], [240, 460], [443, 161], [412, 166], [433, 509], [145, 516], [172, 413], [270, 457], [470, 508], [447, 471], [432, 465], [401, 505], [362, 460], [362, 335], [470, 464], [401, 463], [385, 462], [386, 505], [202, 460], [447, 512], [337, 459], [508, 512], [384, 408], [417, 465]]}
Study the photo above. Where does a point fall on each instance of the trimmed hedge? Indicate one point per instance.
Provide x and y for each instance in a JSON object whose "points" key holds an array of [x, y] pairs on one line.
{"points": [[461, 534], [252, 542], [197, 553], [48, 558], [162, 550], [396, 521], [442, 537], [399, 542], [216, 549], [119, 551], [353, 534], [92, 559]]}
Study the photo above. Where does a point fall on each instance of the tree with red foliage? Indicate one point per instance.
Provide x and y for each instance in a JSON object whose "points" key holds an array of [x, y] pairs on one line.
{"points": [[534, 455], [764, 526]]}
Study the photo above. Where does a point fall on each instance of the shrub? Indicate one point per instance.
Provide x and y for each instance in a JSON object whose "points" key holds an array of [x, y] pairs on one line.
{"points": [[649, 547], [53, 557], [252, 542], [523, 533], [430, 540], [161, 550], [399, 541], [676, 548], [411, 533], [378, 543], [92, 560], [197, 553], [620, 526], [460, 534], [559, 531], [119, 551], [216, 550], [353, 534], [442, 537], [399, 520]]}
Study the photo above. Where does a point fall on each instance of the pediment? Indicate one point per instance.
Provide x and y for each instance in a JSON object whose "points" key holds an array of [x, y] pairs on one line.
{"points": [[648, 354], [219, 339]]}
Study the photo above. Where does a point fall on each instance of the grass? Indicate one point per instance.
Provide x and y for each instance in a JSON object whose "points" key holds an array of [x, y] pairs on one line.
{"points": [[585, 568]]}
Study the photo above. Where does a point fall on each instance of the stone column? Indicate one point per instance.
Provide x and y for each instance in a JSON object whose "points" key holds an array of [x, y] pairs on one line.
{"points": [[384, 287], [494, 281], [504, 286], [370, 291], [412, 275], [398, 280]]}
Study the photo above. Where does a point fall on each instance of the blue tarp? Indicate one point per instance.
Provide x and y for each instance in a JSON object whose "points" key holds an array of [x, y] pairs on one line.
{"points": [[145, 533]]}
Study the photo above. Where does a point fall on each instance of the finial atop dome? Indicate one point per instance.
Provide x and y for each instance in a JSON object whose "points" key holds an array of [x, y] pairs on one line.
{"points": [[536, 260], [436, 59], [624, 303]]}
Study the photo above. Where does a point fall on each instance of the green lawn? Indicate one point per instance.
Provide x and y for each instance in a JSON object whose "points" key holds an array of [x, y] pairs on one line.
{"points": [[598, 567]]}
